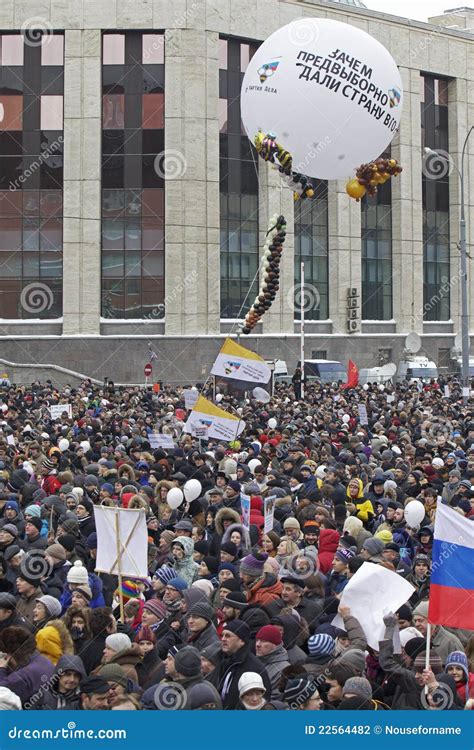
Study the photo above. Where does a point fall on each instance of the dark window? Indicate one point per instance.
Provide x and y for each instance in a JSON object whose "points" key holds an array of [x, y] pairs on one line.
{"points": [[311, 247], [435, 180], [238, 187], [376, 218], [31, 176], [133, 175]]}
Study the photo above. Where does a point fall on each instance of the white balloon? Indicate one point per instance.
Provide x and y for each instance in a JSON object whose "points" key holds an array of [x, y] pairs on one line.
{"points": [[219, 398], [330, 92], [365, 387], [192, 489], [346, 418], [414, 513], [253, 463], [85, 445], [272, 423], [63, 445], [260, 394], [174, 498]]}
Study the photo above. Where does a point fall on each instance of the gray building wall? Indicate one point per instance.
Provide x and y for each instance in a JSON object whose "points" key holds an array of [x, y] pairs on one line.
{"points": [[189, 337]]}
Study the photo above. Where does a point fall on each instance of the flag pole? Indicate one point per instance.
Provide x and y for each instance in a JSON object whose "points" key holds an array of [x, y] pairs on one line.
{"points": [[427, 654], [119, 565], [302, 331]]}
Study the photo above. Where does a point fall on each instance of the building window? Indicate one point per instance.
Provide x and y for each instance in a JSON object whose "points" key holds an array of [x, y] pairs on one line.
{"points": [[311, 246], [435, 179], [133, 176], [31, 176], [376, 227], [239, 254]]}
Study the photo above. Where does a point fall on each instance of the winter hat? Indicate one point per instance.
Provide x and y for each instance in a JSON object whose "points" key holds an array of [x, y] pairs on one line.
{"points": [[94, 685], [33, 511], [184, 525], [177, 583], [269, 633], [228, 547], [202, 694], [321, 644], [77, 573], [70, 526], [36, 522], [404, 613], [435, 662], [56, 551], [28, 572], [292, 523], [145, 634], [250, 681], [11, 505], [9, 701], [188, 662], [118, 642], [408, 634], [114, 673], [358, 686], [7, 601], [227, 566], [240, 629], [353, 658], [457, 659], [11, 551], [356, 704], [51, 605], [299, 690], [11, 529], [202, 609], [165, 574], [345, 555], [202, 547], [108, 488], [421, 609], [212, 652], [415, 646], [130, 590], [205, 586], [384, 535], [212, 564], [156, 607], [68, 541], [373, 546], [252, 565], [234, 485], [91, 541], [348, 541], [235, 599], [84, 591]]}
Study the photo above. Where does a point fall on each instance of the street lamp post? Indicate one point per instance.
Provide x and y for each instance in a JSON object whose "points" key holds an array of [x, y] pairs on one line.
{"points": [[463, 254]]}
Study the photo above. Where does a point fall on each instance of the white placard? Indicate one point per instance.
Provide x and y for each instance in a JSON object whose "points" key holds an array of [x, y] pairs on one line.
{"points": [[121, 533], [269, 510], [190, 398], [363, 414], [200, 432], [372, 592], [159, 440], [11, 440], [390, 398], [57, 410], [466, 392]]}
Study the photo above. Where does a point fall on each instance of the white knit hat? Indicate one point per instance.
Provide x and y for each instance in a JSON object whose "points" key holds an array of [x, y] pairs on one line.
{"points": [[118, 642], [77, 573], [250, 681], [9, 701]]}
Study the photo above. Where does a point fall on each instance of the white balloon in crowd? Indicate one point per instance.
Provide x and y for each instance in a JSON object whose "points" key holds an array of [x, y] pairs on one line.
{"points": [[272, 423], [192, 489], [174, 498]]}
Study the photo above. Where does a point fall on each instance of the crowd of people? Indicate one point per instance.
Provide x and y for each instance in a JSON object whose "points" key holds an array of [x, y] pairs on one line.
{"points": [[229, 617]]}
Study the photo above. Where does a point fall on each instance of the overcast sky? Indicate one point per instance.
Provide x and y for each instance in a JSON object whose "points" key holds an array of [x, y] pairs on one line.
{"points": [[419, 9]]}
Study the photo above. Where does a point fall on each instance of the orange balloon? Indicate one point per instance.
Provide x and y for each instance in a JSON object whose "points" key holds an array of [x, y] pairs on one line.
{"points": [[355, 189]]}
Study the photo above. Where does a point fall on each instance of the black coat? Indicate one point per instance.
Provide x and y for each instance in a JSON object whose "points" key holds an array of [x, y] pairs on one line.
{"points": [[92, 652], [148, 669], [225, 677]]}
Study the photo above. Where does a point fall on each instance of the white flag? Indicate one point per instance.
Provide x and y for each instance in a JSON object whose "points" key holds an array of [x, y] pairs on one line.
{"points": [[122, 541], [238, 363]]}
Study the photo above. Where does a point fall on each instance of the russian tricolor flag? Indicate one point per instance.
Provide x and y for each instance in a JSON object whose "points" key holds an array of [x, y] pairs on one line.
{"points": [[452, 572]]}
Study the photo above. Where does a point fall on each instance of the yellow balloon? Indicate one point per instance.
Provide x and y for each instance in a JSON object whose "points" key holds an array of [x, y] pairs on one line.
{"points": [[355, 189]]}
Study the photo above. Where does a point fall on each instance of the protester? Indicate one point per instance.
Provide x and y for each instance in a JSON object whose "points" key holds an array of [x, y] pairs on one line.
{"points": [[236, 609]]}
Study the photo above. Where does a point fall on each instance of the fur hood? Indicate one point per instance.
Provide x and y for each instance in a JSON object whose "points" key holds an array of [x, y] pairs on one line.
{"points": [[19, 643], [225, 514]]}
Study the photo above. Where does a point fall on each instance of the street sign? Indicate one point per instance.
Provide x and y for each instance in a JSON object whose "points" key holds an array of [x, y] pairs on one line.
{"points": [[148, 370]]}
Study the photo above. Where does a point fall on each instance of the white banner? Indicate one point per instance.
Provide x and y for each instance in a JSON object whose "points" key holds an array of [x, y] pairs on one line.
{"points": [[238, 363], [363, 414], [190, 397], [57, 410], [158, 440], [122, 541], [371, 593]]}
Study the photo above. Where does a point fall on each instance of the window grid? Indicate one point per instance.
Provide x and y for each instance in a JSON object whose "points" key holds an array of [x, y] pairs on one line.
{"points": [[133, 176], [376, 218], [311, 246], [31, 176]]}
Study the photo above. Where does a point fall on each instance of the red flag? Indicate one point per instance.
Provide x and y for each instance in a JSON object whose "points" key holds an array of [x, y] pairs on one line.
{"points": [[352, 376]]}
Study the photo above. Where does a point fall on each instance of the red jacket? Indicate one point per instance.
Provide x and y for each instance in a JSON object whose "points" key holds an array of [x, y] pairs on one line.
{"points": [[328, 541]]}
